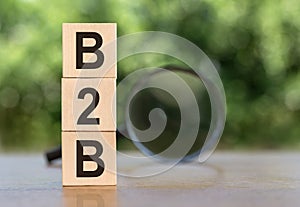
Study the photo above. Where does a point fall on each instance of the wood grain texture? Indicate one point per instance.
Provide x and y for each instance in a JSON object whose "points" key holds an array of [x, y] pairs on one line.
{"points": [[73, 107], [108, 48], [108, 156]]}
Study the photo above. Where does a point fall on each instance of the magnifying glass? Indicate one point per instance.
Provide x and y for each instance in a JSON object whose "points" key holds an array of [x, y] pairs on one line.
{"points": [[152, 98], [150, 115]]}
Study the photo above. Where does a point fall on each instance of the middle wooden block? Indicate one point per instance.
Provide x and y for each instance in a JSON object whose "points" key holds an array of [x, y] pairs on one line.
{"points": [[88, 104]]}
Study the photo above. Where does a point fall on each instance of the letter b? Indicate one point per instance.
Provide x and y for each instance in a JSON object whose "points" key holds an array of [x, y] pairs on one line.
{"points": [[94, 158], [80, 49]]}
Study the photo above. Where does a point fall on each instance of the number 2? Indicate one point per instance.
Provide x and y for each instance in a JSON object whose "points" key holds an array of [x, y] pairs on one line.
{"points": [[83, 118]]}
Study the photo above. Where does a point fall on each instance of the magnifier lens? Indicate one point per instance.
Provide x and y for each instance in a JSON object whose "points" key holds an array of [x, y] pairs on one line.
{"points": [[157, 108]]}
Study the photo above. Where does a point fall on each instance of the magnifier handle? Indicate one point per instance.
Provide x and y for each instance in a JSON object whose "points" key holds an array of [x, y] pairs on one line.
{"points": [[53, 154]]}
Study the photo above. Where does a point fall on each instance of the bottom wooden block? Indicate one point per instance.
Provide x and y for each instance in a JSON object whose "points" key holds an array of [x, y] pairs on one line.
{"points": [[88, 158]]}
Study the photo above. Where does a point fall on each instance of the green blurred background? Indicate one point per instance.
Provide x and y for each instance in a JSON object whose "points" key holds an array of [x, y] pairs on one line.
{"points": [[254, 44]]}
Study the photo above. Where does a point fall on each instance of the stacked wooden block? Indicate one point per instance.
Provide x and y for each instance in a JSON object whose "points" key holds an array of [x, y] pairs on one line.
{"points": [[89, 104]]}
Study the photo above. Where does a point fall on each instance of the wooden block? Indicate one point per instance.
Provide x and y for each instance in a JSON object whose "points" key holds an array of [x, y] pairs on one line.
{"points": [[92, 196], [89, 50], [88, 158], [89, 104]]}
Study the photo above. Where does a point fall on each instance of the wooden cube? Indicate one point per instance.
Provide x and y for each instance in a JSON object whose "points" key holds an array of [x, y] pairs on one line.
{"points": [[89, 50], [88, 158], [88, 104]]}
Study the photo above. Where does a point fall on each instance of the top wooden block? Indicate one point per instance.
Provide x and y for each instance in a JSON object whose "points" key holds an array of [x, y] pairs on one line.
{"points": [[89, 50]]}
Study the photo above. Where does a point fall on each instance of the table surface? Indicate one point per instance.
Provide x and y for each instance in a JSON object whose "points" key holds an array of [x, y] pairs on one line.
{"points": [[226, 179]]}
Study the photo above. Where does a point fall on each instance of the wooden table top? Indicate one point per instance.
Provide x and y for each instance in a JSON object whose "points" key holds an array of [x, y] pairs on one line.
{"points": [[226, 179]]}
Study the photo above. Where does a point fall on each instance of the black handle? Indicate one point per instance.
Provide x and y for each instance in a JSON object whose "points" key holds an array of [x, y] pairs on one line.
{"points": [[53, 154]]}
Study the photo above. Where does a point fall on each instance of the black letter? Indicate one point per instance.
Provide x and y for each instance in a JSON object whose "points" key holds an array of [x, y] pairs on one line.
{"points": [[83, 118], [95, 158], [80, 50]]}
